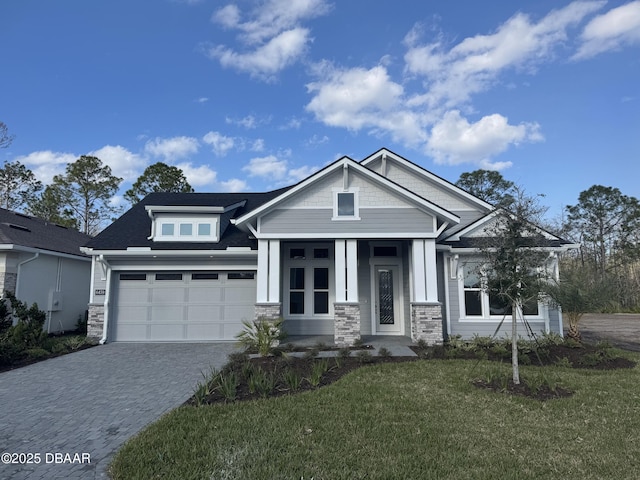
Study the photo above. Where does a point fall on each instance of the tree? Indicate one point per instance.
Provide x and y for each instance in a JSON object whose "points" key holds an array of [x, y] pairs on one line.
{"points": [[158, 177], [5, 137], [513, 261], [49, 206], [18, 186], [86, 190], [487, 185], [606, 222]]}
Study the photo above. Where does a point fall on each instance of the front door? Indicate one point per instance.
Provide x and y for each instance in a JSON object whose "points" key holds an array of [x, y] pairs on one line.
{"points": [[387, 299]]}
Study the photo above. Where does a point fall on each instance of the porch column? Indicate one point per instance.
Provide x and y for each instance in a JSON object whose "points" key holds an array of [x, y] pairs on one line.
{"points": [[268, 282], [347, 307], [426, 311]]}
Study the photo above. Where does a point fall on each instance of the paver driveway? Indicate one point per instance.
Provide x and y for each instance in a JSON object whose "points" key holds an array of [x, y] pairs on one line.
{"points": [[93, 400]]}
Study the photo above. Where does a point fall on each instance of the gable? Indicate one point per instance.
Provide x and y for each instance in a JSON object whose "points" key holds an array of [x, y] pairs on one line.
{"points": [[379, 210]]}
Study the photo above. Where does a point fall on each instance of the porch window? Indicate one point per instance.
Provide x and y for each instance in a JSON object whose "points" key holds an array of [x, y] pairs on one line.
{"points": [[320, 291], [345, 204], [296, 291], [308, 280], [472, 290]]}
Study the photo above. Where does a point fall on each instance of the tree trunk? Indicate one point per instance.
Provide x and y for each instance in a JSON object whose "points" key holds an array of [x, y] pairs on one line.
{"points": [[514, 344]]}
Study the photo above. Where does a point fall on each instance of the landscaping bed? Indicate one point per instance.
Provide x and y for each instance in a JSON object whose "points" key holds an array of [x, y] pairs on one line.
{"points": [[247, 378]]}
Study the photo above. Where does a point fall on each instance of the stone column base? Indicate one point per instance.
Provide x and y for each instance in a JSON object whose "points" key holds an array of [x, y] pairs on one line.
{"points": [[426, 323], [95, 323], [268, 311], [346, 323], [8, 282]]}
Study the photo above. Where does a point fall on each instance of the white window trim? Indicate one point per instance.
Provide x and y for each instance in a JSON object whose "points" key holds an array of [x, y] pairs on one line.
{"points": [[308, 263], [356, 204], [484, 300]]}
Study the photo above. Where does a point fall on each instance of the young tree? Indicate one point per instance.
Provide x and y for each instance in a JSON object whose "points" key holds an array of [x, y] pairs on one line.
{"points": [[488, 185], [513, 261], [49, 206], [18, 186], [86, 189], [5, 137], [158, 177]]}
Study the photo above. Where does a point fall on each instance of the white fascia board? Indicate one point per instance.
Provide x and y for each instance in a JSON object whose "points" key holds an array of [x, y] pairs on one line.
{"points": [[183, 209], [19, 248], [172, 253], [426, 173], [430, 207], [341, 235]]}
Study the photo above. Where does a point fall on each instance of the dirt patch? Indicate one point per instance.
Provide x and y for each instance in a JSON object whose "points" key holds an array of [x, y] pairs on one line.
{"points": [[523, 389]]}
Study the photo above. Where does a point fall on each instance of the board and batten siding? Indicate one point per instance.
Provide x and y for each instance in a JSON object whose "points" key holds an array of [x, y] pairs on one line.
{"points": [[372, 220]]}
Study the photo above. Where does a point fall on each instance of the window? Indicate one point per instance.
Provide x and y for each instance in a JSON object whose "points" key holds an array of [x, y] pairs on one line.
{"points": [[204, 276], [133, 276], [346, 204], [320, 291], [204, 229], [186, 229], [308, 271], [167, 229], [168, 276], [241, 275], [296, 291], [478, 303]]}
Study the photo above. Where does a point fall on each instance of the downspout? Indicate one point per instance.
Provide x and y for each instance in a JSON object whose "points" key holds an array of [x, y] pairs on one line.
{"points": [[35, 255], [107, 294]]}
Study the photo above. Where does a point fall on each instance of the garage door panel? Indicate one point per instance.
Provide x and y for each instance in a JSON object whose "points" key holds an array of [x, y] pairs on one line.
{"points": [[150, 309], [205, 295]]}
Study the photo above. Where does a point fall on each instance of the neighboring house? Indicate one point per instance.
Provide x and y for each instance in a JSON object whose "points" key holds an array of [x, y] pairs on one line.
{"points": [[377, 247], [41, 262]]}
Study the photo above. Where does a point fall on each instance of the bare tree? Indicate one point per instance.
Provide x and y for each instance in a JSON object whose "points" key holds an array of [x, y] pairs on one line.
{"points": [[5, 137]]}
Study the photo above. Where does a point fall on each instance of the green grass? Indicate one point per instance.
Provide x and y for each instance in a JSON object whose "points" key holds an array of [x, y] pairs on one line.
{"points": [[412, 420]]}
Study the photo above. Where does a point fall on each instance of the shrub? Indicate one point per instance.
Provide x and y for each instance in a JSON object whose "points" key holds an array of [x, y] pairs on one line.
{"points": [[318, 369], [28, 332], [364, 356], [37, 353], [227, 383], [75, 343], [5, 316], [291, 379], [261, 335], [384, 352], [344, 352]]}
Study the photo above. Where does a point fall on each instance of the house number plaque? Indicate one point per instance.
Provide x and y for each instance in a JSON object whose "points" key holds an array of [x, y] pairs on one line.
{"points": [[100, 291]]}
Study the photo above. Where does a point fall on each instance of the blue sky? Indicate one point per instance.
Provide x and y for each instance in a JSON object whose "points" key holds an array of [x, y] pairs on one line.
{"points": [[256, 95]]}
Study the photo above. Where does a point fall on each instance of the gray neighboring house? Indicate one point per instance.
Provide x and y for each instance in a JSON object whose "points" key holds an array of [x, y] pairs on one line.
{"points": [[41, 262], [376, 247]]}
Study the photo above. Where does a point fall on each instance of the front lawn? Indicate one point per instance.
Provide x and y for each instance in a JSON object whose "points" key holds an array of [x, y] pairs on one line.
{"points": [[422, 419]]}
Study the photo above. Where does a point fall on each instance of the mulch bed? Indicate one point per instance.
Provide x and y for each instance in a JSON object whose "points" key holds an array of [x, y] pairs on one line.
{"points": [[26, 360], [584, 356]]}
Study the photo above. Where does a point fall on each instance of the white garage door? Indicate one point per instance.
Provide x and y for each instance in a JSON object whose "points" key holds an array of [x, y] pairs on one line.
{"points": [[181, 306]]}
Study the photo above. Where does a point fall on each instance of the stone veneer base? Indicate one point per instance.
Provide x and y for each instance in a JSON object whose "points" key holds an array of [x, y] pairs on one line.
{"points": [[426, 323], [268, 311], [95, 323], [346, 323]]}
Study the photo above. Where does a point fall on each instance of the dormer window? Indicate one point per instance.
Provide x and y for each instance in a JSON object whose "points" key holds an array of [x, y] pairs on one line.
{"points": [[345, 204]]}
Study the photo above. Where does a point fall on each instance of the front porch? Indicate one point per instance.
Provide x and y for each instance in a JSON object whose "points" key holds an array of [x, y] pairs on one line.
{"points": [[350, 289]]}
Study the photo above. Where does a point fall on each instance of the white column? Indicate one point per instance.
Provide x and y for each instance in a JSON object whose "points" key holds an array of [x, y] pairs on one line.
{"points": [[341, 286], [418, 268], [262, 294], [352, 270], [274, 271], [431, 271]]}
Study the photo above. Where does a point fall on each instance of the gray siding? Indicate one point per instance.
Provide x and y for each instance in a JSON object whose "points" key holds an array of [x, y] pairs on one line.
{"points": [[555, 321], [372, 220]]}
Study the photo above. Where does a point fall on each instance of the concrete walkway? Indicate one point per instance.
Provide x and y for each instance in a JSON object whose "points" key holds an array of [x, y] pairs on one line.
{"points": [[92, 401]]}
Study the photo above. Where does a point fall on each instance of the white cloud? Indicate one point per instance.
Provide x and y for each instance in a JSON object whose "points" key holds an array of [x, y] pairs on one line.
{"points": [[220, 144], [454, 140], [172, 149], [45, 164], [233, 185], [257, 145], [267, 167], [472, 66], [249, 121], [268, 59], [202, 99], [297, 174], [273, 33], [198, 176], [610, 31], [123, 163]]}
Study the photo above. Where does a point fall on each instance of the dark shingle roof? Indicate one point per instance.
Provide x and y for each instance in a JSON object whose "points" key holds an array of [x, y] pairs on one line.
{"points": [[27, 231], [133, 228]]}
